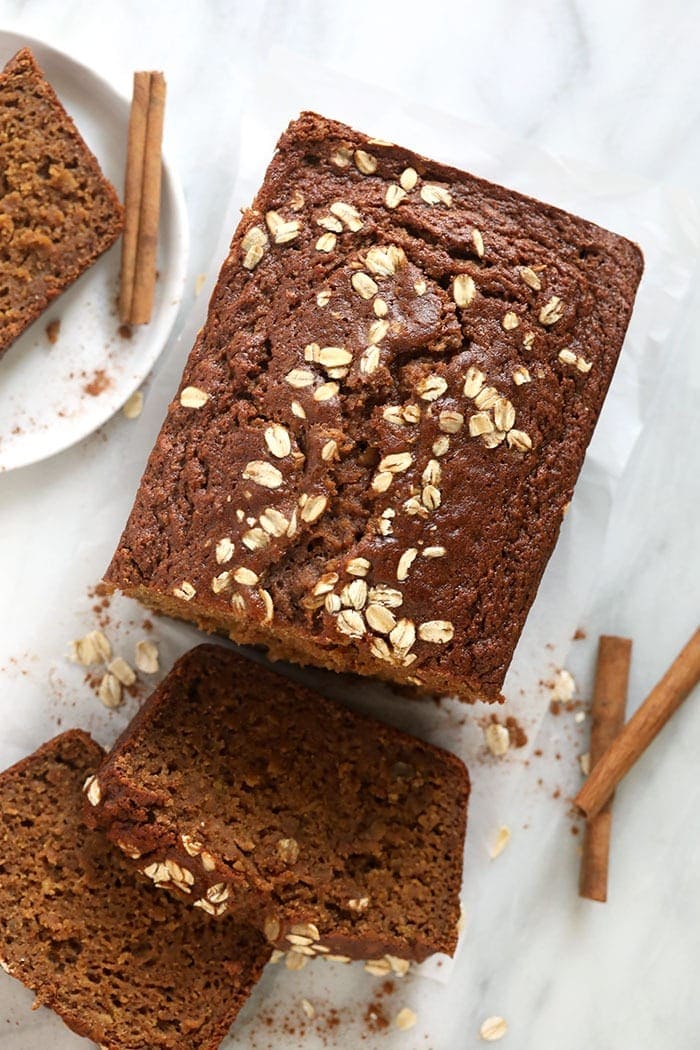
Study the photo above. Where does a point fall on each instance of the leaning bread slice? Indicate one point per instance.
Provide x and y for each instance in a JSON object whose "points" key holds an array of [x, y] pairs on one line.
{"points": [[128, 968], [247, 793]]}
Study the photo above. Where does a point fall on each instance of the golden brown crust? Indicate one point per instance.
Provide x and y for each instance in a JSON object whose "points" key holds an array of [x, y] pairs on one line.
{"points": [[380, 426]]}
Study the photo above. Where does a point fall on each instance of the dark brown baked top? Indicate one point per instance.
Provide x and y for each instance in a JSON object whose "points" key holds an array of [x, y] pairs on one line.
{"points": [[122, 965], [249, 794], [57, 210], [380, 426]]}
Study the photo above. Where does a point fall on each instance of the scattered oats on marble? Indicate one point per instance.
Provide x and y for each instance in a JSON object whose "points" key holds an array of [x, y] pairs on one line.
{"points": [[308, 1009], [405, 1019], [500, 843], [133, 406], [497, 739], [93, 648], [122, 671], [563, 686], [110, 690], [146, 656], [493, 1029], [585, 763]]}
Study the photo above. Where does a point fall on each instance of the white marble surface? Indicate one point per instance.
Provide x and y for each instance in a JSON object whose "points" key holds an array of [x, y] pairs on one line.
{"points": [[618, 87]]}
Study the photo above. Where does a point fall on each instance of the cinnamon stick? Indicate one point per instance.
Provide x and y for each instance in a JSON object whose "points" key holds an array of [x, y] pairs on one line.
{"points": [[142, 198], [132, 191], [665, 698], [608, 713]]}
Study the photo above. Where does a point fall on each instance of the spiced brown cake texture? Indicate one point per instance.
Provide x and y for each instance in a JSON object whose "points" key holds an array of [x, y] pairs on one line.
{"points": [[379, 428], [122, 965], [249, 795], [58, 212]]}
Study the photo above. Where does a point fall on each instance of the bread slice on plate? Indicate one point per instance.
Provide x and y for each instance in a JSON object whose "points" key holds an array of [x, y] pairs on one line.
{"points": [[58, 212]]}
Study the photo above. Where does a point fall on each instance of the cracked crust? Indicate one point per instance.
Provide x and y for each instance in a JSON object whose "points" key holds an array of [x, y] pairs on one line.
{"points": [[436, 350]]}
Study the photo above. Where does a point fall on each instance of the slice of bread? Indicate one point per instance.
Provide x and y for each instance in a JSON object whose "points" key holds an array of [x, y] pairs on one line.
{"points": [[246, 793], [122, 965], [57, 210]]}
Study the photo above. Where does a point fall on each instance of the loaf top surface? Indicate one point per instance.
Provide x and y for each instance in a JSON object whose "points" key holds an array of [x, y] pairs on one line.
{"points": [[121, 964], [380, 426], [306, 811]]}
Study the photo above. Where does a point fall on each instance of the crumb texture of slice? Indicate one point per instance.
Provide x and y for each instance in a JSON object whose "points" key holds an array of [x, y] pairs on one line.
{"points": [[383, 417], [57, 210], [246, 793], [122, 965]]}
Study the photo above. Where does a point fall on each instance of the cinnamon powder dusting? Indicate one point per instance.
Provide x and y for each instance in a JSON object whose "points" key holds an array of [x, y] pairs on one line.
{"points": [[98, 384]]}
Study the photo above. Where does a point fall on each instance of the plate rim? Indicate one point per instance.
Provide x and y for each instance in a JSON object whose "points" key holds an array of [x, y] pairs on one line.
{"points": [[181, 235]]}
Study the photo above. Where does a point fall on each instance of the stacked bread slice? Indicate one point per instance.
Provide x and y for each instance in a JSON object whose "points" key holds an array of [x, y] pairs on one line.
{"points": [[281, 820]]}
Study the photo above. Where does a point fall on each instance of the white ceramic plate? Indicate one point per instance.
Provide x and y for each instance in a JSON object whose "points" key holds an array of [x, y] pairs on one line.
{"points": [[53, 395]]}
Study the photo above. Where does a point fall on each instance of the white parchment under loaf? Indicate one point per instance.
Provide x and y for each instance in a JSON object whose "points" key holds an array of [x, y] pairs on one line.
{"points": [[504, 792]]}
